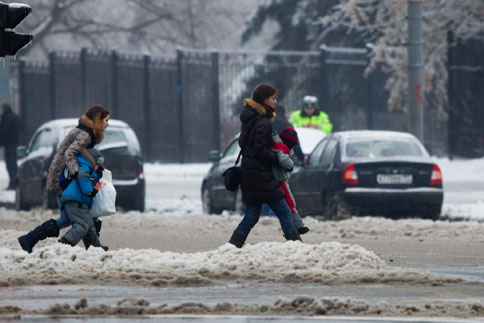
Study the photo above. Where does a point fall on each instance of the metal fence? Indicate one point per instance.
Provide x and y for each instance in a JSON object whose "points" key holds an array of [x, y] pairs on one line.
{"points": [[185, 105], [466, 103]]}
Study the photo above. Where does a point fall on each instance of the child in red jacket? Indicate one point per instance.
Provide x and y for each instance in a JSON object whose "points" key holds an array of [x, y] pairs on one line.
{"points": [[282, 144]]}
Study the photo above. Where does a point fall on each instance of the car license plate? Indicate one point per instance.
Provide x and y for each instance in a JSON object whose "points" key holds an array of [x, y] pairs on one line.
{"points": [[394, 179]]}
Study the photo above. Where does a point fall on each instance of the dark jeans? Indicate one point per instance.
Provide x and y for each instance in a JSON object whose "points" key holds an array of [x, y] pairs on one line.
{"points": [[252, 215], [11, 162]]}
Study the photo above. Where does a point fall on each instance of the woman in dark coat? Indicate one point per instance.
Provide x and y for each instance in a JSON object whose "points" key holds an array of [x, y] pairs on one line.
{"points": [[258, 185]]}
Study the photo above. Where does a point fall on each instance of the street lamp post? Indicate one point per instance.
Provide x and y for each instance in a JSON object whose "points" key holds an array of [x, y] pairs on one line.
{"points": [[415, 68]]}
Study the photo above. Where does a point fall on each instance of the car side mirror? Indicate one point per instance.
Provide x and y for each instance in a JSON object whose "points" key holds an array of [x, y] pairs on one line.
{"points": [[214, 155], [21, 151]]}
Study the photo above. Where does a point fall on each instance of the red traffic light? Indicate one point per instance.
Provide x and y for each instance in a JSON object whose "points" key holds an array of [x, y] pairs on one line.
{"points": [[12, 14]]}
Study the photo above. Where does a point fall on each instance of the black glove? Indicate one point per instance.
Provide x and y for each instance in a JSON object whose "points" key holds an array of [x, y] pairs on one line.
{"points": [[99, 171], [95, 190], [73, 175]]}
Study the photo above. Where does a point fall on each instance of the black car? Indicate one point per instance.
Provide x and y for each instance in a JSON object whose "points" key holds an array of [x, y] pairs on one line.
{"points": [[215, 197], [122, 155], [369, 173]]}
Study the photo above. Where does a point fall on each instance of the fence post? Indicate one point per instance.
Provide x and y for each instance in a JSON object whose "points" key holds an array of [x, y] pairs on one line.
{"points": [[21, 98], [323, 83], [451, 135], [216, 100], [179, 93], [369, 93], [147, 105], [83, 67], [114, 83], [52, 84]]}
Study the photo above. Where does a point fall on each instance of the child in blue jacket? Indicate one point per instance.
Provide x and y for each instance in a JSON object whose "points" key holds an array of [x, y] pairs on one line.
{"points": [[76, 200]]}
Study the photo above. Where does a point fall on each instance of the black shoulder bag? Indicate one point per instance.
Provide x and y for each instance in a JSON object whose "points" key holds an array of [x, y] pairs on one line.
{"points": [[232, 174]]}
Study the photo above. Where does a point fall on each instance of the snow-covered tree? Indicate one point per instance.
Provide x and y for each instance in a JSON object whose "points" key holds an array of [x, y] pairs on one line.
{"points": [[383, 24], [387, 21]]}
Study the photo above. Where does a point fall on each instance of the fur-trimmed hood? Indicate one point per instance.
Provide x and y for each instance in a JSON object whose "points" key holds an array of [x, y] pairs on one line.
{"points": [[96, 128], [260, 109]]}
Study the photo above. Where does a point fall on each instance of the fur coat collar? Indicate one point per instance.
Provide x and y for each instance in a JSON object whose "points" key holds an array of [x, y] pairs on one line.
{"points": [[260, 109]]}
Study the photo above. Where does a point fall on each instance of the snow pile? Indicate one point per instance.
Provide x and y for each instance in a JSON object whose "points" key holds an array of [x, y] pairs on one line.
{"points": [[7, 196], [325, 263], [174, 188], [382, 228], [466, 170], [299, 305], [157, 170], [466, 212]]}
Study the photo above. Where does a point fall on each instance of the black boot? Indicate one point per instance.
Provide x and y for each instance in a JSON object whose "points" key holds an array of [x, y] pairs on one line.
{"points": [[65, 241], [294, 236], [237, 239], [303, 230], [48, 229], [88, 243], [97, 224]]}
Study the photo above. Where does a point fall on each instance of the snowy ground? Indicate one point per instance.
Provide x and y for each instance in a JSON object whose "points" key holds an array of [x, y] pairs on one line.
{"points": [[173, 259]]}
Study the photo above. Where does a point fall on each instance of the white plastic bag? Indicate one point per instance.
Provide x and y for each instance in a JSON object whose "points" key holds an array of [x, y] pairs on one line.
{"points": [[104, 202]]}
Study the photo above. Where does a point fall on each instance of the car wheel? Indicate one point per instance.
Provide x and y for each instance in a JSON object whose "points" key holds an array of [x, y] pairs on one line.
{"points": [[207, 205], [139, 204], [138, 201], [338, 210], [239, 206], [432, 214], [20, 204]]}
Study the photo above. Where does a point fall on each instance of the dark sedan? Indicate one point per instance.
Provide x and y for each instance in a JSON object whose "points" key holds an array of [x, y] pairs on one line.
{"points": [[122, 155], [369, 173]]}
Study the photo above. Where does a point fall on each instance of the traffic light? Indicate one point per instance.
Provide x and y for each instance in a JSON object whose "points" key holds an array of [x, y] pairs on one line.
{"points": [[10, 16]]}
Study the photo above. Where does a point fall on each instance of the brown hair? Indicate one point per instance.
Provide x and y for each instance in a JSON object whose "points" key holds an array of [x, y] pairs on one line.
{"points": [[262, 92], [96, 113]]}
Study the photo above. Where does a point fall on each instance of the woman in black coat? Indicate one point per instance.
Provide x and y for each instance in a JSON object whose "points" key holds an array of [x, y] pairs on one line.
{"points": [[258, 185]]}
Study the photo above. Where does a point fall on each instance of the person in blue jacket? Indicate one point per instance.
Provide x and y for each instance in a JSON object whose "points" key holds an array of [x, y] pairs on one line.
{"points": [[76, 200], [51, 228]]}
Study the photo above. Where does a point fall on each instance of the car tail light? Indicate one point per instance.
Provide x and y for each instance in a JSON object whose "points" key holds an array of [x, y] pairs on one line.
{"points": [[349, 175], [140, 173], [436, 178]]}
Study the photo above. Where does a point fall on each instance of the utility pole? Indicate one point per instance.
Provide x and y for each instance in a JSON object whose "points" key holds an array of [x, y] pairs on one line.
{"points": [[4, 80], [415, 68]]}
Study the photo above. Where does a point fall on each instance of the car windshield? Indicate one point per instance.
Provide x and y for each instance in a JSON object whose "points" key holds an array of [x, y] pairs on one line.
{"points": [[114, 135], [377, 148]]}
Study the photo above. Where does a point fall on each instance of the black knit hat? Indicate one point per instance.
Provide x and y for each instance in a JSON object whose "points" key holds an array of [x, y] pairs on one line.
{"points": [[289, 137]]}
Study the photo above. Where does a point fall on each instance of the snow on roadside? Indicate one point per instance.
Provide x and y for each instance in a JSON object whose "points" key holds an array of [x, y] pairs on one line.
{"points": [[466, 212], [298, 306], [325, 263], [177, 170], [178, 219]]}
